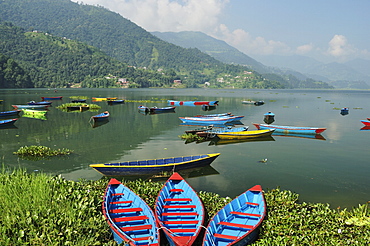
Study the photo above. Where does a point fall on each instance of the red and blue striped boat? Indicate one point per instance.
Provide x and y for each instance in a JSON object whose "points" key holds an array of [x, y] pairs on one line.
{"points": [[290, 129]]}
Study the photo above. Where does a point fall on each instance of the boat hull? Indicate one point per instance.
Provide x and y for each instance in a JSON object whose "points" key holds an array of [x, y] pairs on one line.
{"points": [[245, 134], [101, 117], [39, 103], [130, 218], [239, 221], [366, 122], [207, 120], [213, 132], [7, 122], [291, 129], [31, 106], [179, 211], [191, 103], [10, 113], [154, 166], [51, 98]]}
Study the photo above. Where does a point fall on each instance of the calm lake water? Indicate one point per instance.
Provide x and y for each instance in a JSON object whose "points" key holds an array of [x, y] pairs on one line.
{"points": [[334, 169]]}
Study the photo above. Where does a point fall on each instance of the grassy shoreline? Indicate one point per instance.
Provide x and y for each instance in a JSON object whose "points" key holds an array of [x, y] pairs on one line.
{"points": [[38, 209]]}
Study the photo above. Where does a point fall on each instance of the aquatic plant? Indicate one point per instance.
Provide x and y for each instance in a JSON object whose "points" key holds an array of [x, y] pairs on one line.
{"points": [[36, 152]]}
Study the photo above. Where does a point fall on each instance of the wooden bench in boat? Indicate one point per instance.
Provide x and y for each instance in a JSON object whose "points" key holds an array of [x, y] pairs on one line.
{"points": [[177, 200], [249, 227], [121, 202], [136, 228], [130, 218], [183, 230], [232, 238], [125, 210], [252, 203], [179, 206], [181, 222], [245, 214], [180, 214]]}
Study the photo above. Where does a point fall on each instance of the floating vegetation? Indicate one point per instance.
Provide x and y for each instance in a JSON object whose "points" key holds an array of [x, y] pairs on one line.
{"points": [[272, 100], [357, 108], [327, 100], [337, 108], [285, 106], [66, 106], [35, 152]]}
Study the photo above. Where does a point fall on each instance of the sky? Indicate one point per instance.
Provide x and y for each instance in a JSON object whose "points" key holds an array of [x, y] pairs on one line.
{"points": [[327, 30]]}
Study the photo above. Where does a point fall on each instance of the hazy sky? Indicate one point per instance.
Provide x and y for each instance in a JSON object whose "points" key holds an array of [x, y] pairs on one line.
{"points": [[328, 30]]}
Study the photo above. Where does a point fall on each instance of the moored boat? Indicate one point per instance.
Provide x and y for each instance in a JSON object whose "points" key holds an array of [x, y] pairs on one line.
{"points": [[179, 211], [39, 103], [213, 132], [10, 113], [154, 166], [191, 103], [156, 109], [238, 222], [52, 98], [245, 134], [78, 100], [291, 129], [129, 217], [103, 98], [8, 122], [31, 106], [366, 122], [143, 108], [101, 116], [208, 120], [115, 101]]}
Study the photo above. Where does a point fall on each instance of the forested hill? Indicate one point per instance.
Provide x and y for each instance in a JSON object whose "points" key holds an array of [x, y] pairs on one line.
{"points": [[36, 59]]}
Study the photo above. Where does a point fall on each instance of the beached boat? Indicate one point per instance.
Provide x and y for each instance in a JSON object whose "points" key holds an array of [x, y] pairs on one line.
{"points": [[52, 98], [101, 116], [238, 222], [291, 129], [191, 103], [39, 103], [245, 134], [208, 120], [8, 122], [154, 166], [129, 217], [366, 122], [31, 106], [213, 132], [179, 211], [10, 113]]}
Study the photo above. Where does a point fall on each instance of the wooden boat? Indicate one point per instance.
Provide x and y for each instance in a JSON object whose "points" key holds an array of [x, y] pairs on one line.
{"points": [[234, 117], [78, 107], [115, 101], [143, 108], [248, 102], [239, 221], [103, 98], [208, 120], [201, 129], [78, 101], [39, 103], [51, 98], [156, 110], [154, 166], [366, 122], [179, 211], [258, 103], [213, 132], [214, 115], [245, 134], [30, 106], [191, 103], [344, 111], [129, 217], [291, 129], [8, 122], [101, 116], [10, 113]]}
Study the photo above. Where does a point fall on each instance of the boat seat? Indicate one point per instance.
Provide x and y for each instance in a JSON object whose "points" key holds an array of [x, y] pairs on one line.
{"points": [[177, 190], [252, 203], [181, 222], [183, 230], [147, 238], [235, 225], [245, 214], [130, 218], [121, 202], [177, 200], [136, 228], [180, 214], [117, 194], [225, 236], [179, 206], [125, 210]]}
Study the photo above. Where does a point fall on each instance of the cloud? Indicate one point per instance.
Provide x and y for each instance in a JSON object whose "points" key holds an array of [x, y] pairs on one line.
{"points": [[304, 49], [339, 47]]}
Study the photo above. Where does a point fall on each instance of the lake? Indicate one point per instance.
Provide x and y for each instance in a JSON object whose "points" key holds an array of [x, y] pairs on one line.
{"points": [[333, 169]]}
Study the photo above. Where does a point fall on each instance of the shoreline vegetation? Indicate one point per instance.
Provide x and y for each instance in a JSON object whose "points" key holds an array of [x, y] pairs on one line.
{"points": [[39, 209]]}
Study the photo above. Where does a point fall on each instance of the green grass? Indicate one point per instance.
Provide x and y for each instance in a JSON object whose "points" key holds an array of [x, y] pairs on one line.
{"points": [[38, 209]]}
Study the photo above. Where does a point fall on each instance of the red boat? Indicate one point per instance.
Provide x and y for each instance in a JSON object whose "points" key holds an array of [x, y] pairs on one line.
{"points": [[51, 98]]}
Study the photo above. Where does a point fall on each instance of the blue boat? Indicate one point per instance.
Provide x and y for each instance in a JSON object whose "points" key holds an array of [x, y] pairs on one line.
{"points": [[291, 129], [115, 101], [129, 217], [6, 123], [10, 113], [179, 211], [163, 109], [78, 101], [344, 111], [154, 166], [101, 117], [209, 120], [239, 221], [39, 103], [191, 103]]}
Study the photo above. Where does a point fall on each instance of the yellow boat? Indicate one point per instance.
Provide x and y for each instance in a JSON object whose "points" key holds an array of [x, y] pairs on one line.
{"points": [[245, 134], [103, 98]]}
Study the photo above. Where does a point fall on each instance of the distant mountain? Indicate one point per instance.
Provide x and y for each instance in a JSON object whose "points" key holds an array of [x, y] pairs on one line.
{"points": [[216, 48]]}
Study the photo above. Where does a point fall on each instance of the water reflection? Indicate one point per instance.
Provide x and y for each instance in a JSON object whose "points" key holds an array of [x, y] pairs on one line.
{"points": [[217, 141], [303, 136]]}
